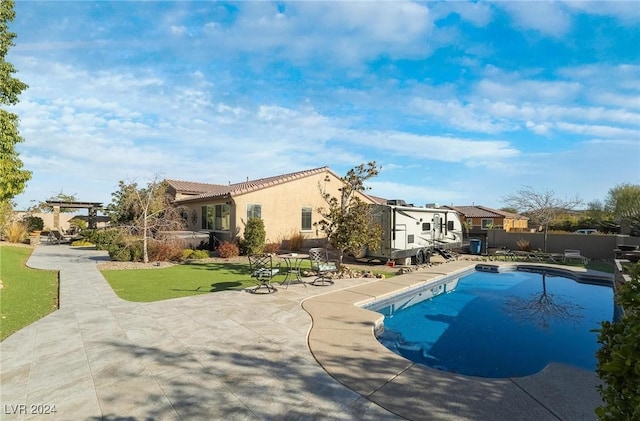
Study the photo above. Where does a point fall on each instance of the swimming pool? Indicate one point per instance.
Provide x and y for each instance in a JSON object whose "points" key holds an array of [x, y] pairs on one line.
{"points": [[499, 323]]}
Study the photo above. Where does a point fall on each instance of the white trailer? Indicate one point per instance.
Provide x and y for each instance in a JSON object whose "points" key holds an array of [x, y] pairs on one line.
{"points": [[412, 232]]}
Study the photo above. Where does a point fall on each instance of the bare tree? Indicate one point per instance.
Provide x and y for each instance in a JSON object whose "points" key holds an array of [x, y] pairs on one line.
{"points": [[541, 207], [144, 211]]}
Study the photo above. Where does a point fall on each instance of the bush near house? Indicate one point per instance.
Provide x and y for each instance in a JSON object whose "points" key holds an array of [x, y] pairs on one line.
{"points": [[296, 241], [33, 223], [189, 254], [228, 249], [272, 247], [619, 356], [15, 232], [254, 236]]}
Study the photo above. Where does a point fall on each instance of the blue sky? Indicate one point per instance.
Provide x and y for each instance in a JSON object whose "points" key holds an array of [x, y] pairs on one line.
{"points": [[458, 102]]}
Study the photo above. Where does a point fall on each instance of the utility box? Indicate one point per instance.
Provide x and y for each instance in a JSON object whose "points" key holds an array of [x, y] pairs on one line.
{"points": [[475, 246]]}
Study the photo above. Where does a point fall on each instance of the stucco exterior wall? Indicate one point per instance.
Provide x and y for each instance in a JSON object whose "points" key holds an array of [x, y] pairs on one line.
{"points": [[47, 218], [281, 207]]}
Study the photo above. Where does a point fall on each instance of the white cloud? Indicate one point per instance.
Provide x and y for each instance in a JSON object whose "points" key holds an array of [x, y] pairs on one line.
{"points": [[467, 117], [478, 14], [512, 89], [177, 30], [599, 131], [627, 12], [546, 17]]}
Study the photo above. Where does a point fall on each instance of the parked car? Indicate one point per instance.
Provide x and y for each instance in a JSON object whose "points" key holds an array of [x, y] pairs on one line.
{"points": [[586, 231]]}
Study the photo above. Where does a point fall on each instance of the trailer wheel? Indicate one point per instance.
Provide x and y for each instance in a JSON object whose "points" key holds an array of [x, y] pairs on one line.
{"points": [[420, 258]]}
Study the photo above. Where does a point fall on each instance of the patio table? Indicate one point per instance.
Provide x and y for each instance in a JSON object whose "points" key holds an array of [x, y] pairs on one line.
{"points": [[293, 261]]}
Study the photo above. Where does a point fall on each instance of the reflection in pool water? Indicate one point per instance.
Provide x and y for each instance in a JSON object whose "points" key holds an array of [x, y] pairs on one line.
{"points": [[507, 324]]}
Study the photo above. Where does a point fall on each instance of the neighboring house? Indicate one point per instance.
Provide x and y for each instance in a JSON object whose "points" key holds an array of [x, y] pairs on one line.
{"points": [[482, 218], [286, 203]]}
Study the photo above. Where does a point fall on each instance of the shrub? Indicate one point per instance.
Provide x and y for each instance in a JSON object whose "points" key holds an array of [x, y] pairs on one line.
{"points": [[186, 254], [78, 224], [128, 249], [619, 356], [272, 247], [523, 245], [166, 250], [81, 243], [16, 232], [228, 249], [104, 238], [194, 254], [33, 223], [254, 236], [200, 254], [119, 253], [296, 241]]}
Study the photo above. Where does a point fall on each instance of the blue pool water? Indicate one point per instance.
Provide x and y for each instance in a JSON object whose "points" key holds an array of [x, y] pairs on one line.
{"points": [[507, 324]]}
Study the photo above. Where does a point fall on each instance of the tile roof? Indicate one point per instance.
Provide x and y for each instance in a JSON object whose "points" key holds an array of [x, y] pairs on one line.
{"points": [[189, 187], [485, 212], [206, 191]]}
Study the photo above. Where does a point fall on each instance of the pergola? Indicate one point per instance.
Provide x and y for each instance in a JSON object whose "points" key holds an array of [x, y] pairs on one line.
{"points": [[92, 207]]}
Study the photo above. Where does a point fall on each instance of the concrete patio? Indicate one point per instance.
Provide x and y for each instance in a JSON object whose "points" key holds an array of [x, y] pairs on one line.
{"points": [[235, 355]]}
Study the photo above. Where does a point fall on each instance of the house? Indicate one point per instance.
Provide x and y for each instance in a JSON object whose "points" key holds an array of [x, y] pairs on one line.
{"points": [[482, 218], [287, 204]]}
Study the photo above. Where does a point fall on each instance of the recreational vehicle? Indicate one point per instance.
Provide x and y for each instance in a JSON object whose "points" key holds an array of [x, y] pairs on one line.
{"points": [[410, 234]]}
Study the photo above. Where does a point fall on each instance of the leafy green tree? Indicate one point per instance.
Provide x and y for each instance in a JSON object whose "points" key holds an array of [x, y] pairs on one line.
{"points": [[144, 211], [13, 176], [467, 225], [623, 201], [347, 220], [541, 207], [60, 197]]}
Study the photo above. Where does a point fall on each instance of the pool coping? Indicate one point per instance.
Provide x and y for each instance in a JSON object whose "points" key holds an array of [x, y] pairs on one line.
{"points": [[342, 341]]}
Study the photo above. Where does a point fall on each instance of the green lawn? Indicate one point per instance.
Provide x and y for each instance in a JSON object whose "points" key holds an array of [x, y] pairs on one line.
{"points": [[27, 294], [601, 266], [145, 285]]}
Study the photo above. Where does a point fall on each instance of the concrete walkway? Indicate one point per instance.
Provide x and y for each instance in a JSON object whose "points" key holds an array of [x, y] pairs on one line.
{"points": [[224, 356]]}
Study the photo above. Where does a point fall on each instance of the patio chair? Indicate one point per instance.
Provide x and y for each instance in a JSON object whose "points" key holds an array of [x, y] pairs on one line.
{"points": [[504, 254], [56, 236], [574, 255], [263, 270], [321, 265]]}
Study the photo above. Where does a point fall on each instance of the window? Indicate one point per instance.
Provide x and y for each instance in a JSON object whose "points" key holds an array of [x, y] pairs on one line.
{"points": [[222, 217], [254, 211], [410, 239], [307, 214], [450, 225], [207, 217], [216, 217], [487, 223], [426, 226]]}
